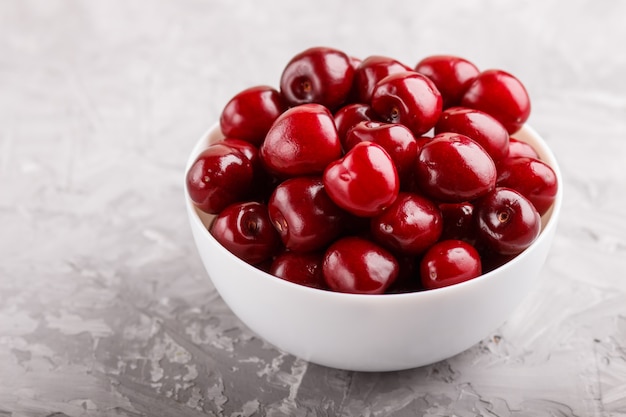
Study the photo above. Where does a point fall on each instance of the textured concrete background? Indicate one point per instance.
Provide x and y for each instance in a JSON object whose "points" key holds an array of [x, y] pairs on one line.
{"points": [[105, 308]]}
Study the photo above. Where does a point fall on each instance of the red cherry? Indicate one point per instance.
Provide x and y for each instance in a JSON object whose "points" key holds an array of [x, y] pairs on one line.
{"points": [[302, 141], [351, 114], [421, 141], [458, 221], [409, 226], [453, 168], [395, 138], [220, 176], [449, 262], [501, 95], [451, 75], [246, 148], [299, 268], [371, 70], [364, 182], [506, 221], [250, 113], [533, 178], [408, 98], [521, 148], [303, 214], [357, 265], [262, 183], [479, 126], [318, 75], [246, 231]]}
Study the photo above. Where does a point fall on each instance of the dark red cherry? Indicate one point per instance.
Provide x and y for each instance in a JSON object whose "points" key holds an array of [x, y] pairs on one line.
{"points": [[458, 221], [250, 113], [421, 141], [302, 141], [477, 125], [299, 268], [453, 168], [351, 114], [364, 182], [246, 148], [370, 71], [395, 138], [521, 148], [246, 231], [359, 266], [451, 74], [318, 75], [506, 221], [220, 176], [262, 183], [304, 216], [449, 262], [408, 98], [409, 226], [533, 178], [501, 95]]}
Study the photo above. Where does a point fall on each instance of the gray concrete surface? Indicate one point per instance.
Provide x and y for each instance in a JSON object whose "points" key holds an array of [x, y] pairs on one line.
{"points": [[105, 309]]}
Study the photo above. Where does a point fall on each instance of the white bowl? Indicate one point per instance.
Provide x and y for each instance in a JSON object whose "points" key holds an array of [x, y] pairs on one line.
{"points": [[373, 332]]}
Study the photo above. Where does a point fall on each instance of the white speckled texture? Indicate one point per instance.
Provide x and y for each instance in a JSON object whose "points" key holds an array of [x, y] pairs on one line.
{"points": [[105, 308]]}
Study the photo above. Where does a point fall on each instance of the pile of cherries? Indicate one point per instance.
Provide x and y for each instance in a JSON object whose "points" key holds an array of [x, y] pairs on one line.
{"points": [[369, 176]]}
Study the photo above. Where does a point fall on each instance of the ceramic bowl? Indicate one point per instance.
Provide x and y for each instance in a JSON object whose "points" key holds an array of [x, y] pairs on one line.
{"points": [[373, 332]]}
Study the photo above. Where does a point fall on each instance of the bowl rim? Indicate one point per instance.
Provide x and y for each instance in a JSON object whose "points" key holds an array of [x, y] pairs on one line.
{"points": [[551, 220]]}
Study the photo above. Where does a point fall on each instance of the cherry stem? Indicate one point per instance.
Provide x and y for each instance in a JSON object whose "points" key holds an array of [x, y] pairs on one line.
{"points": [[252, 227], [395, 113], [503, 216], [306, 86]]}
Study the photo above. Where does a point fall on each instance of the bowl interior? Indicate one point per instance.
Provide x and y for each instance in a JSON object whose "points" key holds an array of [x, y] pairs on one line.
{"points": [[526, 134]]}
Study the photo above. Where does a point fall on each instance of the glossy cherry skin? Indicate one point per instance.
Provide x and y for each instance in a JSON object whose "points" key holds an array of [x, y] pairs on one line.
{"points": [[409, 226], [359, 266], [479, 126], [246, 231], [521, 148], [299, 268], [458, 221], [451, 74], [251, 112], [506, 221], [304, 216], [348, 116], [355, 62], [302, 141], [364, 182], [408, 98], [533, 178], [263, 183], [221, 175], [249, 150], [370, 71], [449, 262], [395, 138], [453, 168], [501, 95], [318, 75]]}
